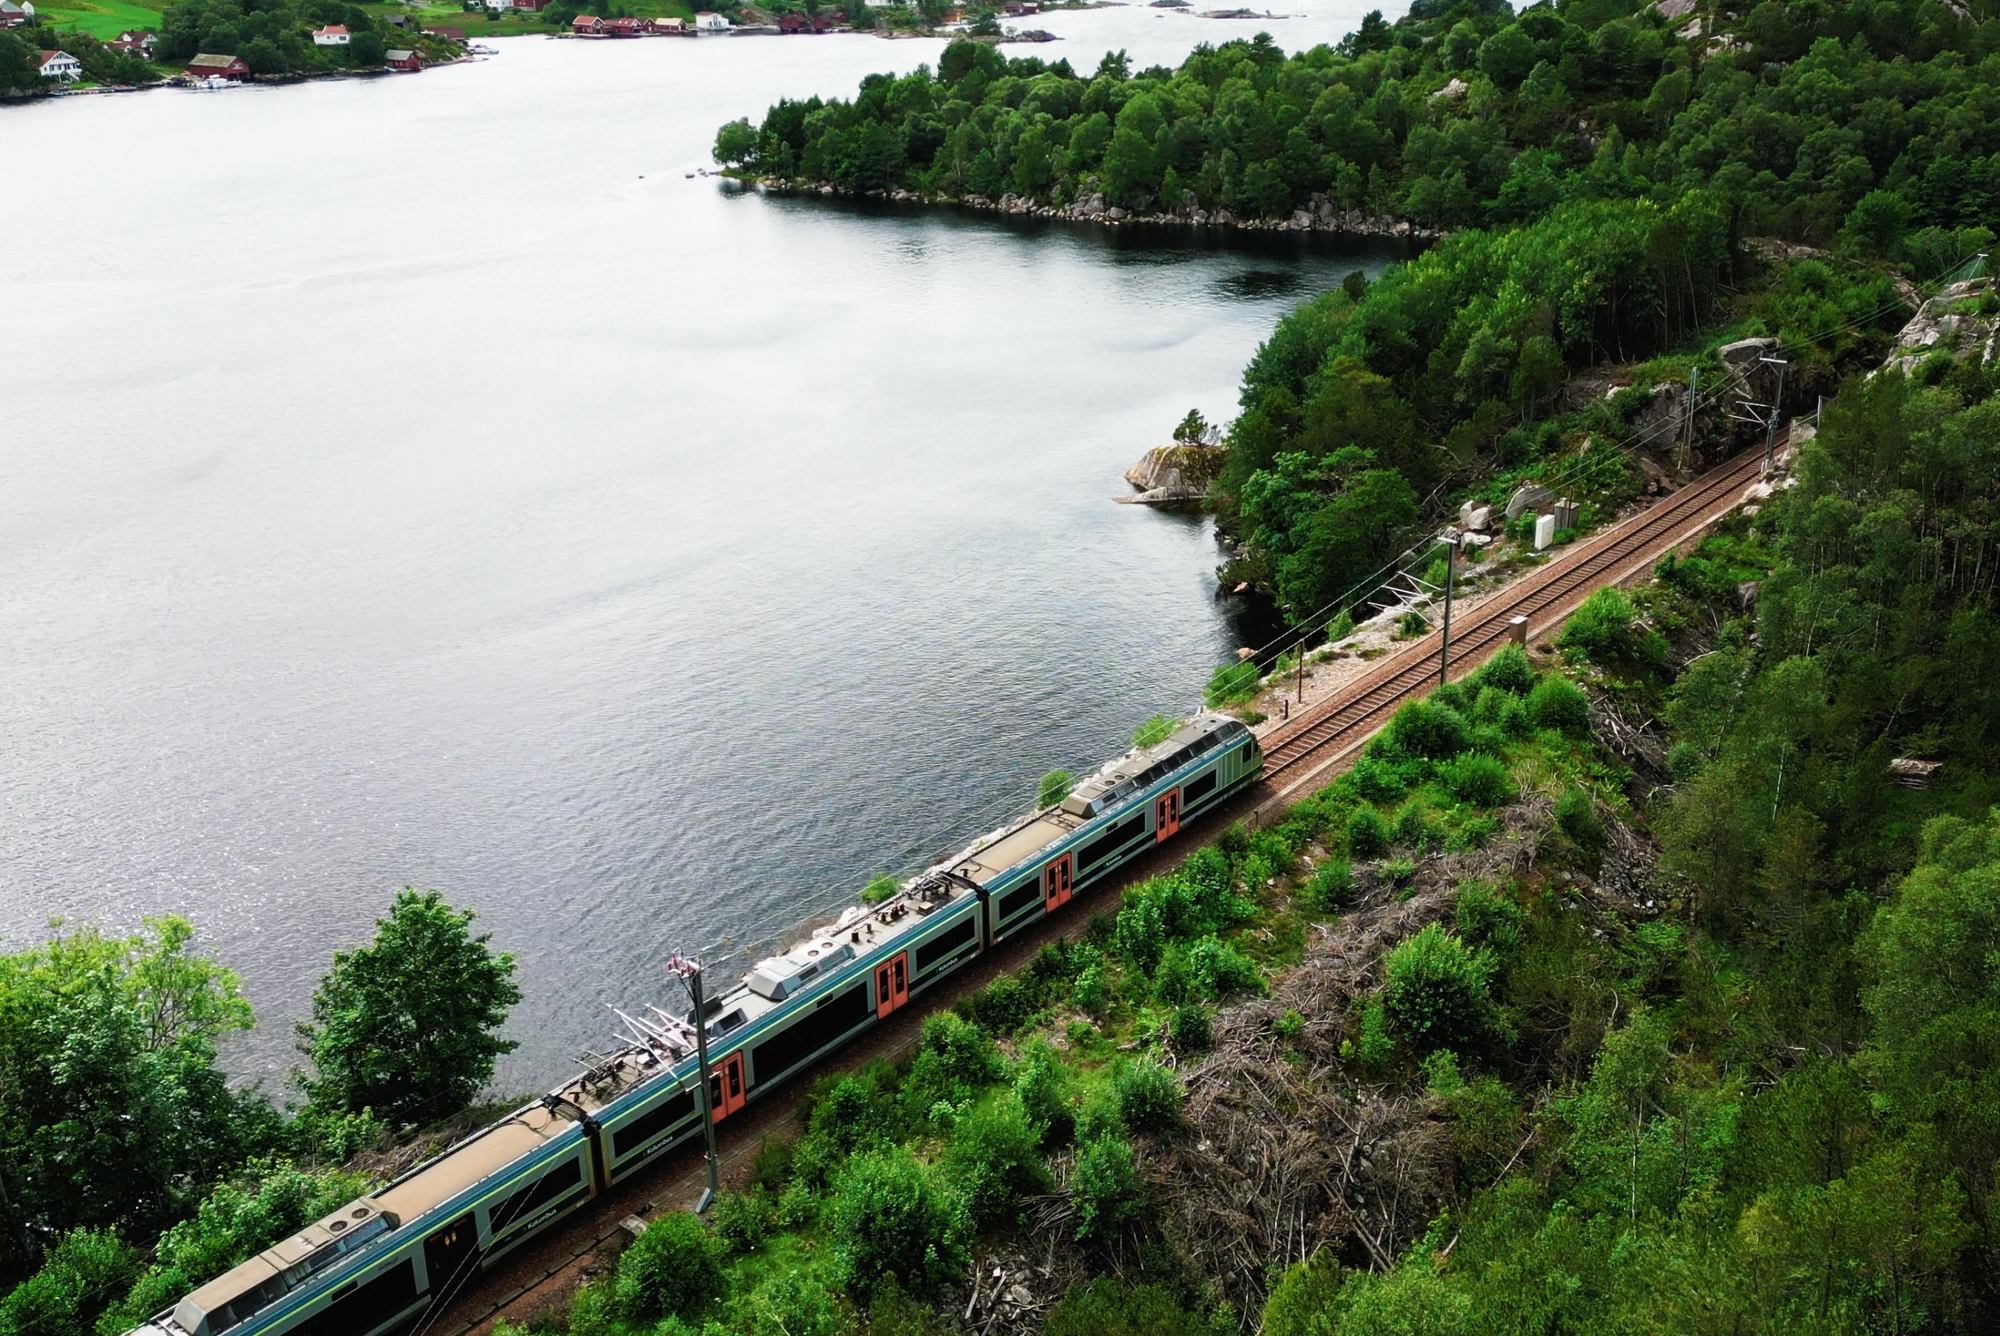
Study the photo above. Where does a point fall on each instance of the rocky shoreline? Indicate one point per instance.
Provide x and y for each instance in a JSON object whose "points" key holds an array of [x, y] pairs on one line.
{"points": [[1320, 214]]}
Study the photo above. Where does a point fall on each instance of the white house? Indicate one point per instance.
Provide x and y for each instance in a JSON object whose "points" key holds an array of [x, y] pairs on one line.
{"points": [[710, 21], [61, 65], [333, 34]]}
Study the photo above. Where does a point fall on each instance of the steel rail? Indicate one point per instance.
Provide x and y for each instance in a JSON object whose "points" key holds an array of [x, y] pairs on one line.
{"points": [[1347, 720]]}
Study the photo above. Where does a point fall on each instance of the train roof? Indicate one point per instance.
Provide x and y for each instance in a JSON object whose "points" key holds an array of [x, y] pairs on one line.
{"points": [[1114, 783], [437, 1181], [247, 1289]]}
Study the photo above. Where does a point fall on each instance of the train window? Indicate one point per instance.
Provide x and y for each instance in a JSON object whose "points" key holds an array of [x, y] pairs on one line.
{"points": [[528, 1200], [644, 1128], [946, 942]]}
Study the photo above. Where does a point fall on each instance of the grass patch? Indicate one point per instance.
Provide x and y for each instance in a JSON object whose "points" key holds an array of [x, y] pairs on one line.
{"points": [[102, 19]]}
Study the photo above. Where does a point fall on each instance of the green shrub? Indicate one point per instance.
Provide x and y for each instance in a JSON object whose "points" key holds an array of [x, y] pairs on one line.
{"points": [[1219, 969], [1437, 989], [1195, 899], [671, 1270], [954, 1062], [880, 887], [1577, 816], [771, 1167], [1412, 826], [1149, 1098], [78, 1279], [843, 1116], [1290, 1025], [1367, 833], [1302, 1302], [1507, 671], [1154, 731], [1105, 1186], [1098, 1117], [994, 1158], [1377, 779], [1482, 781], [1173, 980], [1427, 728], [743, 1220], [791, 1303], [1190, 1030], [1558, 703], [1230, 684], [1488, 916], [1042, 1084], [1601, 629], [890, 1213], [1053, 788], [1092, 991], [1110, 1307], [1004, 1006], [1376, 1044], [1330, 889]]}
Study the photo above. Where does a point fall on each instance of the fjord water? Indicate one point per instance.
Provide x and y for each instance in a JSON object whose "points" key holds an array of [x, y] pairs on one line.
{"points": [[424, 481]]}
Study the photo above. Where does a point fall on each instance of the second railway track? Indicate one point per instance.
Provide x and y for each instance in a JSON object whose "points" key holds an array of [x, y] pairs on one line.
{"points": [[1298, 752]]}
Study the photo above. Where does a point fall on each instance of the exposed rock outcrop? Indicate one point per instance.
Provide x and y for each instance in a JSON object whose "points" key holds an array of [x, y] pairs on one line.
{"points": [[1176, 473], [1955, 322]]}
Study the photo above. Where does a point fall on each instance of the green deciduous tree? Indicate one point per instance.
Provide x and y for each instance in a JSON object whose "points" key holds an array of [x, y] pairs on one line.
{"points": [[405, 1025], [112, 1111]]}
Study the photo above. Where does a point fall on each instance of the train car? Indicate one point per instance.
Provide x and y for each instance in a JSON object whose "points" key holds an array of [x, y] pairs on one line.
{"points": [[1033, 868], [383, 1262]]}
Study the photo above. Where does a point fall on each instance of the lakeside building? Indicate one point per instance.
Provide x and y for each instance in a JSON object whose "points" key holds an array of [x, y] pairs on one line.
{"points": [[207, 66], [675, 26], [333, 34], [13, 15], [587, 25], [710, 21], [61, 66], [134, 42], [407, 61]]}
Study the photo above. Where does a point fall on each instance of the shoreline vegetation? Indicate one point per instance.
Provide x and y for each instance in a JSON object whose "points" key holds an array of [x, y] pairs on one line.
{"points": [[1319, 214], [275, 38]]}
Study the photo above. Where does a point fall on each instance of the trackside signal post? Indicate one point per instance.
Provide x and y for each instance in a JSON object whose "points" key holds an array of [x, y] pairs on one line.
{"points": [[689, 973]]}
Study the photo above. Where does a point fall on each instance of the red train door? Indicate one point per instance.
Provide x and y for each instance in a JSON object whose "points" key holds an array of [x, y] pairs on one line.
{"points": [[1056, 884], [892, 983], [725, 1088], [1167, 810]]}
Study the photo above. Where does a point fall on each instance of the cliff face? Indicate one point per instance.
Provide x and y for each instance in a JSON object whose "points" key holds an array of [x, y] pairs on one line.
{"points": [[1172, 473], [1961, 322]]}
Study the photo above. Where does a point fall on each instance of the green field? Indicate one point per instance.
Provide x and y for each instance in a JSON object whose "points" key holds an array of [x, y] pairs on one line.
{"points": [[102, 19]]}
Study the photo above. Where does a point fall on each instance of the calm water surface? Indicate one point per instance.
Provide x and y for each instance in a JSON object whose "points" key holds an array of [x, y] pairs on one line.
{"points": [[423, 481]]}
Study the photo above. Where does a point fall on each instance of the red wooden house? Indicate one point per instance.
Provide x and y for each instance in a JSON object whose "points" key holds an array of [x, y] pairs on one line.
{"points": [[408, 61], [587, 25], [218, 67]]}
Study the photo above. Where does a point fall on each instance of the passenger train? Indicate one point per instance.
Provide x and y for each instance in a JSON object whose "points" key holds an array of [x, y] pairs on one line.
{"points": [[384, 1262]]}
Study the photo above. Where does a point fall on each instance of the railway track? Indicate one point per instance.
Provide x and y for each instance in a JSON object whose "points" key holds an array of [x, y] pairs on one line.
{"points": [[1296, 756], [1298, 753]]}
